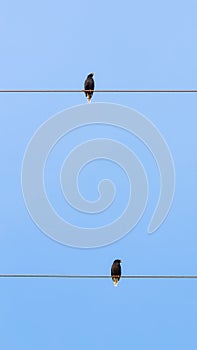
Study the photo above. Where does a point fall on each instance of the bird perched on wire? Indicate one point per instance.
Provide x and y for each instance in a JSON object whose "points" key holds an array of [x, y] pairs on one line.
{"points": [[116, 271], [89, 85]]}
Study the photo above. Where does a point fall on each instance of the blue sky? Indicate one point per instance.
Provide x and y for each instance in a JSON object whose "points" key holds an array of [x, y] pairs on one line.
{"points": [[129, 45]]}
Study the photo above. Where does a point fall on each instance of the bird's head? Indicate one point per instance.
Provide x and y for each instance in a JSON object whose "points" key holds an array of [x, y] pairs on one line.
{"points": [[90, 75], [118, 261]]}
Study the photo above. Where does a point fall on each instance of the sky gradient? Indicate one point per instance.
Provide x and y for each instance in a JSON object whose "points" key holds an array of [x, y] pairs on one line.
{"points": [[129, 45]]}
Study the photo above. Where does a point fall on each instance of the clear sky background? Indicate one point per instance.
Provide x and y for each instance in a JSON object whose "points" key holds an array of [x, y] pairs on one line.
{"points": [[129, 45]]}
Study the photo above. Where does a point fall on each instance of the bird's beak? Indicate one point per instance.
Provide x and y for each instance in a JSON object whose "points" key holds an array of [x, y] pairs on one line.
{"points": [[121, 261]]}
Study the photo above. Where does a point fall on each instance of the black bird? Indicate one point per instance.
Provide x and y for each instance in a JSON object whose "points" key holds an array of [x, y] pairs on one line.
{"points": [[89, 85], [116, 271]]}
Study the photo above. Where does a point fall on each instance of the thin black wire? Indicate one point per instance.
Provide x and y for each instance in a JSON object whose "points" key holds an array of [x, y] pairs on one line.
{"points": [[104, 91], [97, 276]]}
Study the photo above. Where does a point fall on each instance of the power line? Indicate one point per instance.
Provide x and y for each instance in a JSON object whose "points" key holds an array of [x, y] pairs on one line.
{"points": [[97, 276], [103, 91]]}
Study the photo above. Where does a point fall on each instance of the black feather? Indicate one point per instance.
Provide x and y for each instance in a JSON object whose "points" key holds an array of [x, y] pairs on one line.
{"points": [[116, 271], [89, 85]]}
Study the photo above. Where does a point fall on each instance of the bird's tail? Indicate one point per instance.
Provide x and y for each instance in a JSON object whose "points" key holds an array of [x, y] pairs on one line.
{"points": [[89, 98], [115, 280]]}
